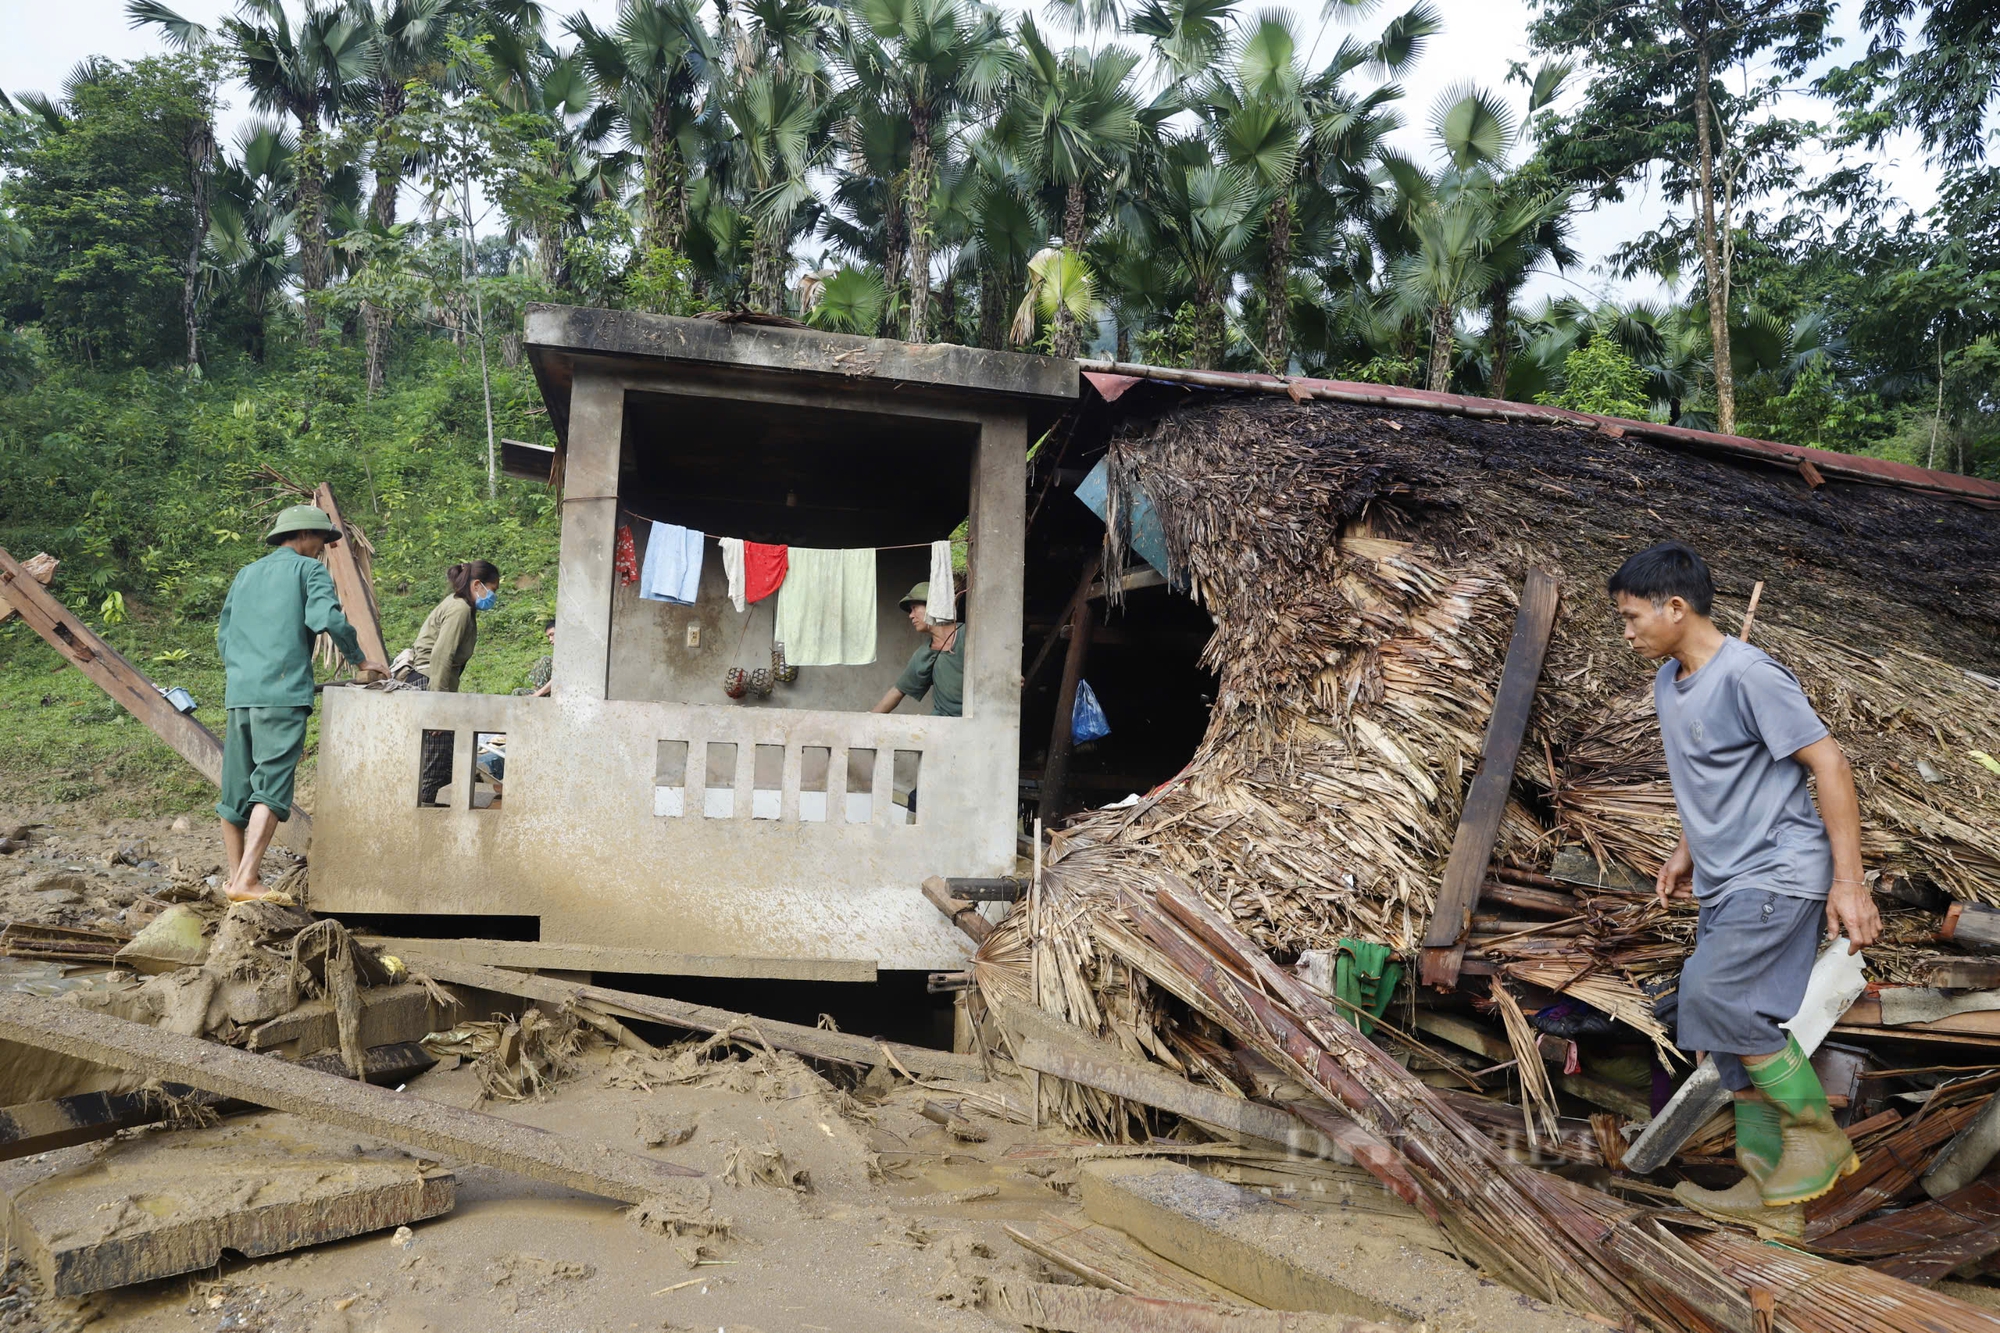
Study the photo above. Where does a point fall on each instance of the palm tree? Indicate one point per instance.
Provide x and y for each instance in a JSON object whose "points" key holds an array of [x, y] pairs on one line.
{"points": [[309, 73], [1206, 214], [250, 232], [655, 65], [934, 58], [867, 217], [410, 41], [1073, 117], [776, 122]]}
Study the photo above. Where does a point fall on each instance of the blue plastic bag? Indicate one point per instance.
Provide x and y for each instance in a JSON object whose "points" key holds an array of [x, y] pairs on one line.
{"points": [[1087, 721]]}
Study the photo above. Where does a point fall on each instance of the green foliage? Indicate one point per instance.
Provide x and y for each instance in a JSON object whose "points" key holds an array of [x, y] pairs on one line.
{"points": [[1599, 377], [153, 493], [1172, 341], [103, 191], [661, 281]]}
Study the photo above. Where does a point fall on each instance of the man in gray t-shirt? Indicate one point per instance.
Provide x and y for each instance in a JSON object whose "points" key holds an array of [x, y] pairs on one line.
{"points": [[1771, 873]]}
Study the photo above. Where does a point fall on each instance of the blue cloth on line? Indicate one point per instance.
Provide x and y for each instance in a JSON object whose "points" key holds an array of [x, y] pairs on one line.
{"points": [[672, 572]]}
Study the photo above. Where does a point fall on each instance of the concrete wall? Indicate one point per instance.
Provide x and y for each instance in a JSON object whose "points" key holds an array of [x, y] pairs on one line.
{"points": [[651, 660]]}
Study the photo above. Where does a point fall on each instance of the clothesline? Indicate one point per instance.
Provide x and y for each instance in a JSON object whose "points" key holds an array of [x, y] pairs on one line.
{"points": [[629, 515]]}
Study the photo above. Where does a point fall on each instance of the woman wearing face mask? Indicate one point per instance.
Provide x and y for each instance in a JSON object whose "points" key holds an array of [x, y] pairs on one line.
{"points": [[451, 631]]}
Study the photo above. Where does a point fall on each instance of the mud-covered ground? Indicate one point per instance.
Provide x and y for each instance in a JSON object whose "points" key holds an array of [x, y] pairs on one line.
{"points": [[885, 1219]]}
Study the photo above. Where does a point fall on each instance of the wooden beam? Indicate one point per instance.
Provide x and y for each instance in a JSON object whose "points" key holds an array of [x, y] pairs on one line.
{"points": [[957, 910], [436, 1127], [1065, 1309], [1055, 769], [543, 955], [1972, 926], [125, 683], [1055, 635], [816, 1043], [1959, 973], [1486, 802], [1467, 1035], [42, 567], [36, 1127], [353, 580], [1131, 581]]}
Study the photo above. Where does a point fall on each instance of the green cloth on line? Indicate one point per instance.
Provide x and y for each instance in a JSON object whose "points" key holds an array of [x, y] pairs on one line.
{"points": [[826, 607], [260, 757], [276, 608], [445, 643], [940, 674]]}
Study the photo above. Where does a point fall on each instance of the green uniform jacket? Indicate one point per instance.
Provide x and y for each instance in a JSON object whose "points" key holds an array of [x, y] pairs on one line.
{"points": [[444, 645], [940, 675], [276, 608]]}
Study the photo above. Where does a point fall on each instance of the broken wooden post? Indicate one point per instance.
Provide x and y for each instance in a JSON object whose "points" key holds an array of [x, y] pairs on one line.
{"points": [[448, 1131], [1486, 802], [125, 683], [347, 561], [41, 566], [959, 912], [1062, 732]]}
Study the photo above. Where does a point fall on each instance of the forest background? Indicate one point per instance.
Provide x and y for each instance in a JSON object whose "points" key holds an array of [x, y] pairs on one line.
{"points": [[191, 322]]}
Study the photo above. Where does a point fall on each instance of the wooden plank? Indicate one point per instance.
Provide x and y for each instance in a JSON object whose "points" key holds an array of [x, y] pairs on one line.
{"points": [[1055, 769], [352, 580], [1061, 1309], [1909, 1229], [447, 1131], [1486, 802], [1467, 1035], [1972, 926], [957, 910], [558, 957], [1047, 1046], [125, 683], [1888, 1171], [93, 1218], [1866, 1013], [1960, 973], [844, 1047], [36, 1127], [41, 566]]}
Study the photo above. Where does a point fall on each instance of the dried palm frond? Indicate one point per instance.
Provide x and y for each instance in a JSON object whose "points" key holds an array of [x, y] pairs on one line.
{"points": [[1536, 1090]]}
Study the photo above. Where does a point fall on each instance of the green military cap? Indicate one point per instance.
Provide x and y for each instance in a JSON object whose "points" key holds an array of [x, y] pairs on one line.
{"points": [[301, 518], [920, 593]]}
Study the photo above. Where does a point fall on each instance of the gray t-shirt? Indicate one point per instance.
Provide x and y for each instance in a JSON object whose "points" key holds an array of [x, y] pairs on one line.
{"points": [[1730, 731]]}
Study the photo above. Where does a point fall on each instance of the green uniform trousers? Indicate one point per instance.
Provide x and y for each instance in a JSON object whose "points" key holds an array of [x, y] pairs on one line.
{"points": [[260, 756]]}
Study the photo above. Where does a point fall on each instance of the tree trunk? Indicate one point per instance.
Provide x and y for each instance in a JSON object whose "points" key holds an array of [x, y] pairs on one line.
{"points": [[895, 250], [1067, 337], [1211, 331], [1711, 258], [382, 212], [948, 306], [923, 183], [1074, 222], [1277, 274], [1124, 348], [1441, 341], [665, 188], [1500, 332], [992, 309], [312, 234], [200, 158]]}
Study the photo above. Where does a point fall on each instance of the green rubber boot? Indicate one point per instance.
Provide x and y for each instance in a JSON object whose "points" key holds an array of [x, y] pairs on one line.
{"points": [[1816, 1152], [1759, 1145]]}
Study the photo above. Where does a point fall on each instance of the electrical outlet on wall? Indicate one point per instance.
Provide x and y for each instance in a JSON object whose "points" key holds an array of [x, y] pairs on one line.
{"points": [[694, 636]]}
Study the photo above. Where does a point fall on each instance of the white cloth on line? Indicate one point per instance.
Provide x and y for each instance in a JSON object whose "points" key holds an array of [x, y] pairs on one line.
{"points": [[943, 604], [672, 570], [826, 608], [732, 566]]}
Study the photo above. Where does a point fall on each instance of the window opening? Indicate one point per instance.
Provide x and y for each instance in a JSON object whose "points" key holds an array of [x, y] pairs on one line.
{"points": [[903, 787], [489, 769], [434, 767], [670, 766], [815, 766], [860, 786], [719, 794], [767, 781]]}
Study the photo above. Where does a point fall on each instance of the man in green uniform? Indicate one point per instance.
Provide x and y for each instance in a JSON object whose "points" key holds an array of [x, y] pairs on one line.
{"points": [[276, 608], [937, 667]]}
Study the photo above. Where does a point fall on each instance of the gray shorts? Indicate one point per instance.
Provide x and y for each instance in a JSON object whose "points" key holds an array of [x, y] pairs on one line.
{"points": [[1753, 954]]}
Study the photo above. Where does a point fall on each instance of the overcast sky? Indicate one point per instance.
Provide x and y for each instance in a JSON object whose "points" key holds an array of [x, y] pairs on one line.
{"points": [[44, 39]]}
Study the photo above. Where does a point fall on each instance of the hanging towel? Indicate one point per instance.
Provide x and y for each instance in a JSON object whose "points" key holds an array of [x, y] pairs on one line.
{"points": [[672, 571], [732, 569], [763, 570], [826, 608], [943, 604]]}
